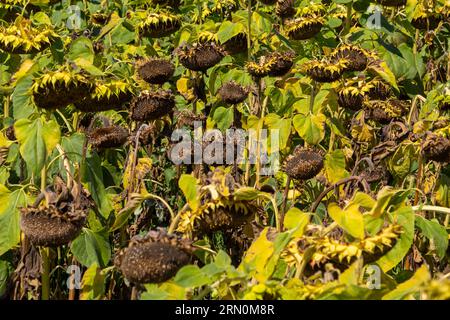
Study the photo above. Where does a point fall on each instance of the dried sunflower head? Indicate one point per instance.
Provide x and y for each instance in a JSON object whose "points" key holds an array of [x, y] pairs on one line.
{"points": [[57, 89], [392, 3], [159, 24], [154, 258], [268, 2], [351, 96], [377, 90], [325, 70], [220, 209], [304, 163], [60, 220], [233, 93], [201, 55], [436, 148], [236, 44], [152, 105], [107, 95], [426, 20], [100, 19], [357, 57], [108, 137], [155, 70], [303, 27], [274, 64], [384, 111], [285, 9], [22, 38]]}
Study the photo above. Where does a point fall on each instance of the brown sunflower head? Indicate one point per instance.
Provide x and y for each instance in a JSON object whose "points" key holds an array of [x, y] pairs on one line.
{"points": [[392, 3], [154, 258], [201, 55], [384, 111], [351, 97], [378, 90], [436, 148], [274, 64], [233, 93], [60, 220], [356, 57], [304, 163], [426, 21], [100, 19], [60, 88], [325, 70], [303, 27], [108, 137], [152, 105], [155, 70], [159, 24], [107, 95], [285, 9], [268, 2], [236, 44]]}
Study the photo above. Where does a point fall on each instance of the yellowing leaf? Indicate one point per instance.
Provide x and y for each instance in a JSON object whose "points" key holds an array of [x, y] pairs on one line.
{"points": [[188, 184], [296, 219], [350, 219], [311, 127], [410, 286]]}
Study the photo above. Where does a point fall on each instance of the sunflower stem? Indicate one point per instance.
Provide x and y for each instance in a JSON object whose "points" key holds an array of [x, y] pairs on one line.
{"points": [[249, 20], [348, 19], [45, 276], [6, 107]]}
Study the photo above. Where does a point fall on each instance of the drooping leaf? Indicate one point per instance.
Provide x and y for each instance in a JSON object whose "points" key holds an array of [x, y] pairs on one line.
{"points": [[350, 219], [404, 217], [436, 232], [37, 139], [310, 128], [91, 247], [10, 202]]}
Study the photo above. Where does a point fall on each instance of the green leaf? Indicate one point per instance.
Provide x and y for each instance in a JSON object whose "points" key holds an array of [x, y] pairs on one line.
{"points": [[436, 232], [21, 98], [188, 185], [93, 283], [246, 194], [228, 30], [350, 219], [222, 260], [37, 139], [297, 220], [191, 276], [92, 174], [6, 269], [310, 128], [91, 247], [223, 117], [82, 48], [384, 196], [404, 217], [334, 165], [10, 202], [410, 286], [383, 70]]}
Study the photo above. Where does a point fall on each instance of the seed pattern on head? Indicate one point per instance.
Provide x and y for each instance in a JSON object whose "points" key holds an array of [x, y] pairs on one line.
{"points": [[232, 93], [201, 55], [356, 57], [436, 148], [304, 163], [155, 70], [152, 105], [154, 258], [108, 137]]}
